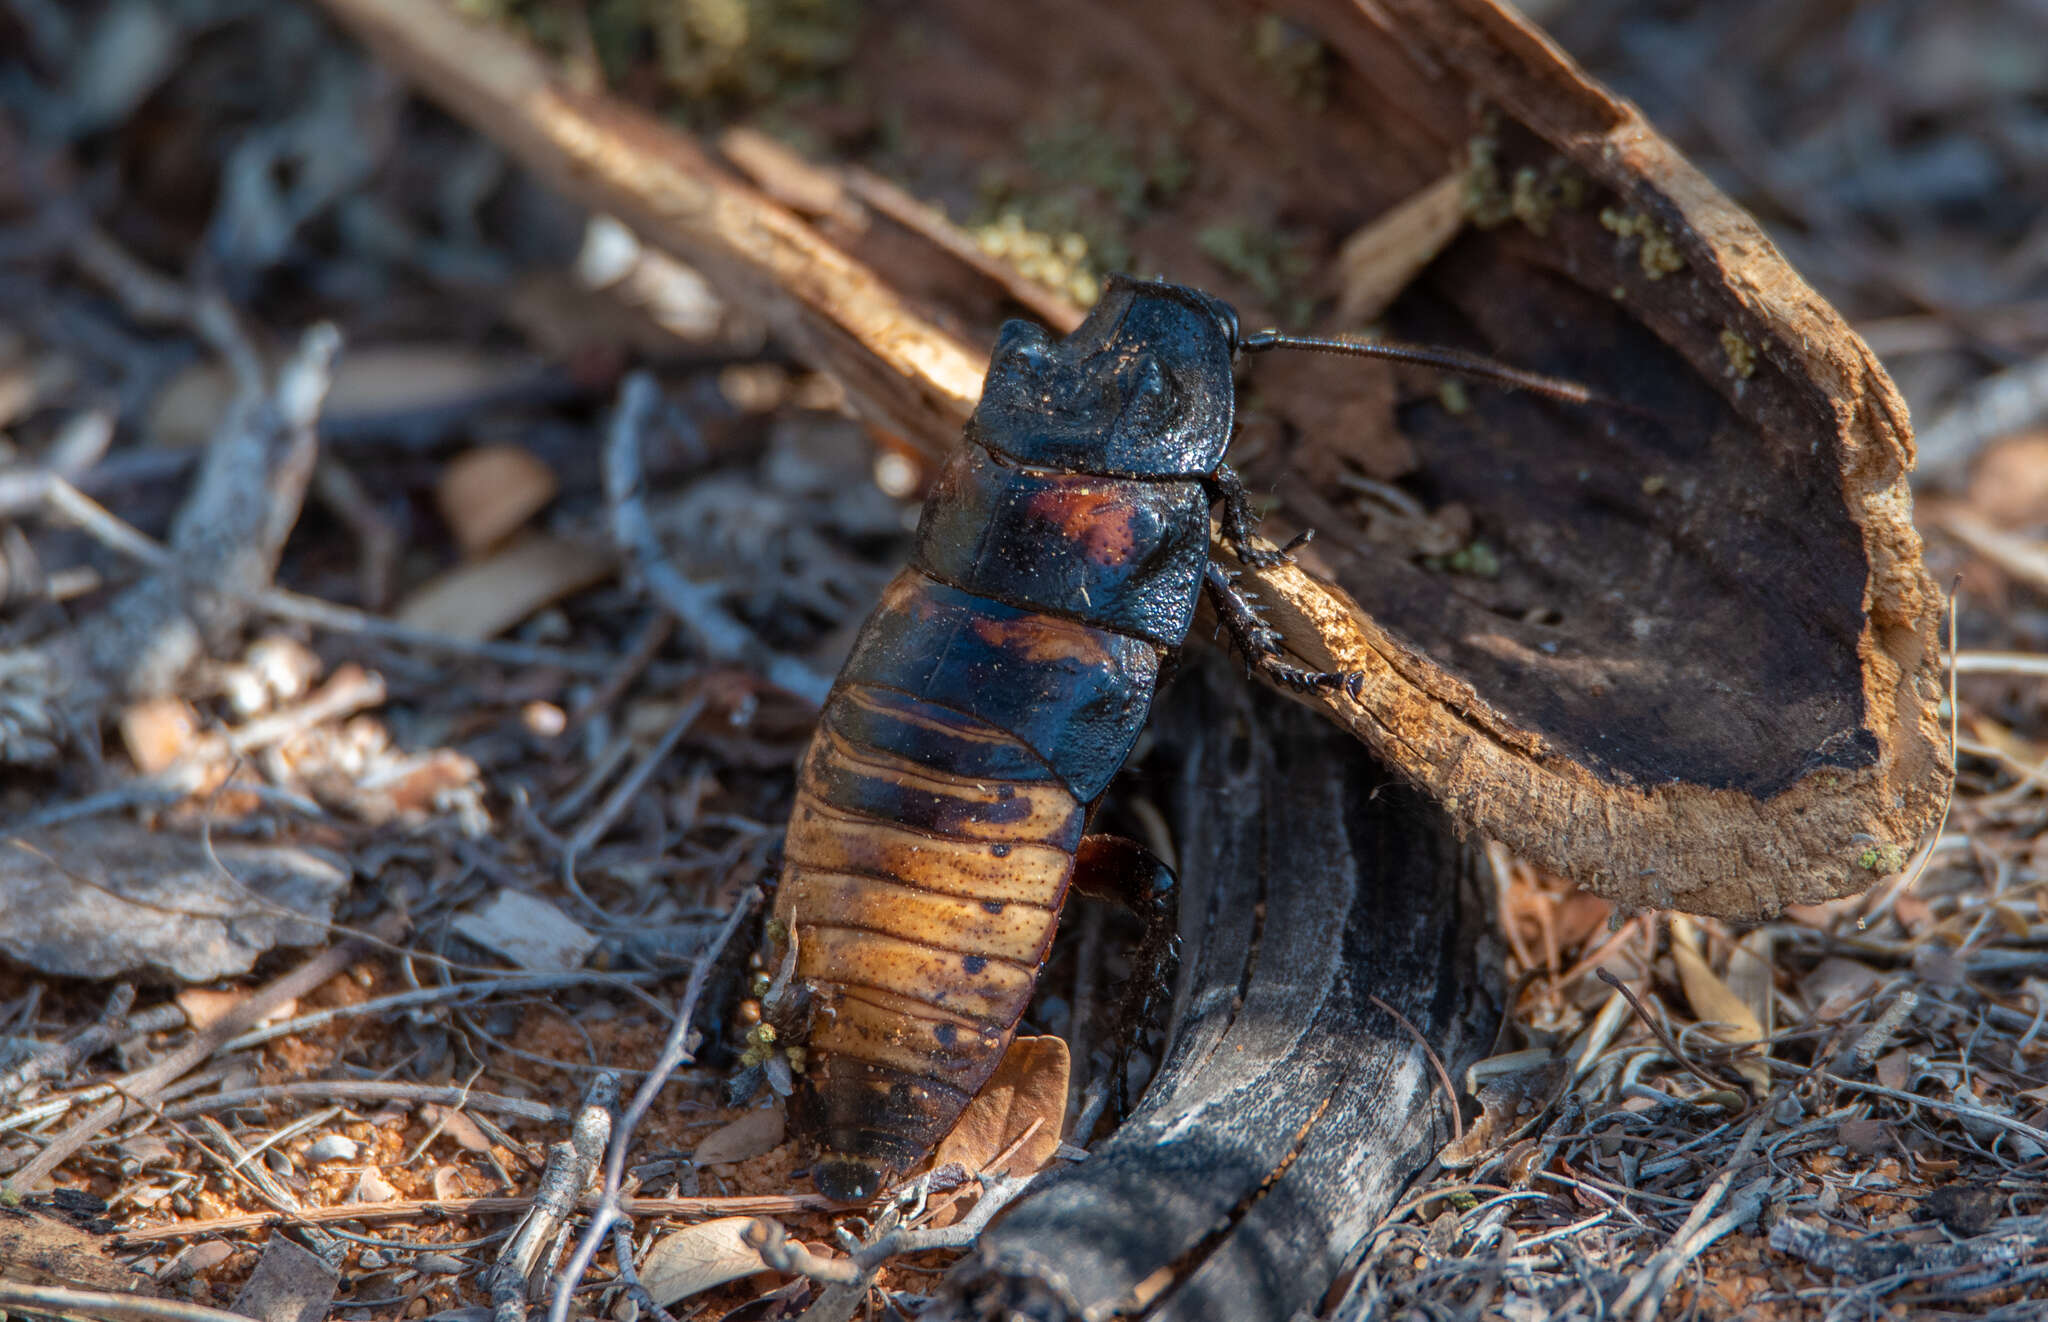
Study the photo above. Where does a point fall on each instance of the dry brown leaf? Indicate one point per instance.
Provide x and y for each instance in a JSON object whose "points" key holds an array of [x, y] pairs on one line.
{"points": [[483, 599], [1893, 1067], [1029, 1086], [1726, 1016], [489, 493], [698, 1257], [751, 1135]]}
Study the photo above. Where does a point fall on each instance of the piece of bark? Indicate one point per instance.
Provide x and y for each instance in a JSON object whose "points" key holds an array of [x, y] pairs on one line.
{"points": [[1694, 663], [39, 1246], [1290, 1111]]}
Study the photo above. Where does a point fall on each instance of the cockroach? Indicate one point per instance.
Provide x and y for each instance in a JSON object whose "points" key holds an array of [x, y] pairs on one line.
{"points": [[942, 806]]}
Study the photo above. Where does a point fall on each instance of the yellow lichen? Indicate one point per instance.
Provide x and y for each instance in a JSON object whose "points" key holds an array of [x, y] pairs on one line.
{"points": [[1741, 354], [1658, 254], [1056, 260]]}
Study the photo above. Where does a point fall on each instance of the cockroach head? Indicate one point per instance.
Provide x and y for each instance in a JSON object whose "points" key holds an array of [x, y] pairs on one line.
{"points": [[1143, 387]]}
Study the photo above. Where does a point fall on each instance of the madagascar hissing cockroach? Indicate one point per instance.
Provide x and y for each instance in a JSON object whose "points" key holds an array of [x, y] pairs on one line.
{"points": [[990, 698]]}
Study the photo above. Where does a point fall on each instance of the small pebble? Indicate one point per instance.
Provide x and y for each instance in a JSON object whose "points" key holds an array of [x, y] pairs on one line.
{"points": [[373, 1188], [334, 1147]]}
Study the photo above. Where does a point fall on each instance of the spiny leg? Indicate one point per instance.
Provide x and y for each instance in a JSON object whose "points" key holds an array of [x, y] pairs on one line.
{"points": [[1124, 872], [1240, 526], [1259, 641]]}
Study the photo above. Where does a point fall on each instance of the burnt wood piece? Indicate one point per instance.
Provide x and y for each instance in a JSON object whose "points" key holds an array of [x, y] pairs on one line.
{"points": [[1290, 1111], [1703, 670]]}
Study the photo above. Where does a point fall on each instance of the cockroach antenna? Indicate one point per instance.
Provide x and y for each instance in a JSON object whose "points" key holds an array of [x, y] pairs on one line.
{"points": [[1429, 355]]}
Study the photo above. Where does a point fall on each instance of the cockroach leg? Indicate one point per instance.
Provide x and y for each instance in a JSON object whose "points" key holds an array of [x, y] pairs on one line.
{"points": [[1122, 871], [1259, 641], [1240, 525]]}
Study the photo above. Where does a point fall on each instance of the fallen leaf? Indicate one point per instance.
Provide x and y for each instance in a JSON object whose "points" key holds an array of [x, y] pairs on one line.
{"points": [[698, 1257], [1725, 1015], [1868, 1137], [1836, 985], [528, 931], [2009, 483], [486, 597], [410, 381], [752, 1134], [489, 493], [1892, 1069], [448, 1183], [1029, 1088], [194, 1260]]}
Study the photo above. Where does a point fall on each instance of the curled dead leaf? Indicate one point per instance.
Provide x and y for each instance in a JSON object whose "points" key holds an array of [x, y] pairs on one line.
{"points": [[1029, 1088], [751, 1135], [698, 1257]]}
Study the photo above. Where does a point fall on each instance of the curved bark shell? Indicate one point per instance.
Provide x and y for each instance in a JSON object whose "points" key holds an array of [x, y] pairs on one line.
{"points": [[1706, 675]]}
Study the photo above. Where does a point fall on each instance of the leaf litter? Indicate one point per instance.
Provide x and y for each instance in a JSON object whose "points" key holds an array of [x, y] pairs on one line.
{"points": [[1842, 1113]]}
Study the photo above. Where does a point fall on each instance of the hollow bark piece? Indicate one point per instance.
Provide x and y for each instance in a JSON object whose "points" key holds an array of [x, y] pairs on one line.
{"points": [[1699, 666], [1289, 1111]]}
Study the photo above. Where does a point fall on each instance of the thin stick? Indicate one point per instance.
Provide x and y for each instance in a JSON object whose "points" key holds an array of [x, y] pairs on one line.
{"points": [[106, 1304], [674, 1052], [696, 605], [144, 1083], [567, 1172], [1443, 1076], [371, 1090], [1642, 1013], [622, 794], [693, 1208]]}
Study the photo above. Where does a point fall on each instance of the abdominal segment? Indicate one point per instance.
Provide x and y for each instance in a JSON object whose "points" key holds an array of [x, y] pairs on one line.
{"points": [[926, 861]]}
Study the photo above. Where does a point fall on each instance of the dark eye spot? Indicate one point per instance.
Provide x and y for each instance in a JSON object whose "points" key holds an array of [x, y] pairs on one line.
{"points": [[993, 906], [947, 1034], [974, 963], [1000, 851]]}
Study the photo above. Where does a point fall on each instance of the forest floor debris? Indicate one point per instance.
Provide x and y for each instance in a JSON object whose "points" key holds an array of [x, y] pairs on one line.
{"points": [[1839, 1114]]}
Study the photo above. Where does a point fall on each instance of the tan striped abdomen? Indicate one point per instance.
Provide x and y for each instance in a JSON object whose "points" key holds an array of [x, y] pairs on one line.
{"points": [[926, 861]]}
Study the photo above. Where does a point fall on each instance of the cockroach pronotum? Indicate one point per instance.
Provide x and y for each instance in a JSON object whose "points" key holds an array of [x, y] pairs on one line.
{"points": [[941, 809]]}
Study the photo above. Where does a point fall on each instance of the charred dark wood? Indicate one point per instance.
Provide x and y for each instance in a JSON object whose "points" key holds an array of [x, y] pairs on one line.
{"points": [[1290, 1110]]}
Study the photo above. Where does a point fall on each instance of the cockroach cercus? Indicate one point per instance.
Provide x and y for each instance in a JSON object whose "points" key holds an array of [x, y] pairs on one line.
{"points": [[941, 809]]}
